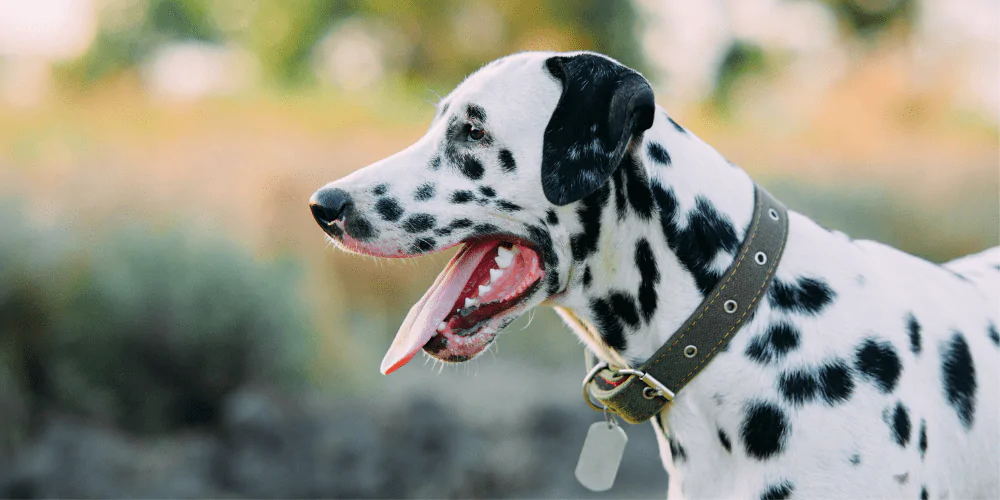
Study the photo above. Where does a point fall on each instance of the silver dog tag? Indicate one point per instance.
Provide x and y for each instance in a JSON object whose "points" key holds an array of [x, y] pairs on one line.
{"points": [[601, 455]]}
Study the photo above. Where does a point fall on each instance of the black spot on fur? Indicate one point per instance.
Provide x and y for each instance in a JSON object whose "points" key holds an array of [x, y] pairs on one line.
{"points": [[507, 206], [922, 438], [485, 229], [424, 192], [650, 276], [763, 429], [959, 376], [541, 238], [552, 280], [707, 233], [779, 491], [797, 387], [902, 478], [389, 209], [585, 243], [805, 296], [551, 217], [658, 153], [475, 112], [923, 493], [461, 223], [879, 363], [359, 228], [991, 331], [487, 191], [418, 223], [640, 197], [618, 181], [831, 381], [608, 323], [443, 231], [423, 244], [779, 339], [724, 439], [835, 382], [471, 168], [913, 329], [676, 126], [624, 307], [587, 277], [462, 196], [898, 419], [380, 189], [855, 459], [677, 452], [507, 163], [632, 189], [435, 163]]}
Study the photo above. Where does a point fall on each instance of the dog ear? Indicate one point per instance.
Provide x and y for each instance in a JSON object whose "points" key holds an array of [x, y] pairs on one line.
{"points": [[603, 106]]}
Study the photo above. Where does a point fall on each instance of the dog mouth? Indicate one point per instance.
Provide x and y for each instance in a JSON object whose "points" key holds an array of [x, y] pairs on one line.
{"points": [[481, 290]]}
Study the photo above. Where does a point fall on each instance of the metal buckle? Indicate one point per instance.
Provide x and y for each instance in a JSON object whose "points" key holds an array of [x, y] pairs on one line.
{"points": [[661, 390], [658, 388]]}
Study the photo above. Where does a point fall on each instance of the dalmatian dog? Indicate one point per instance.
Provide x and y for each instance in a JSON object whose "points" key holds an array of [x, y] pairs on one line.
{"points": [[864, 373]]}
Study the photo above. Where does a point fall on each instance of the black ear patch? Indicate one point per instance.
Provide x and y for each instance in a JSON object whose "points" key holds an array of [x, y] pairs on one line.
{"points": [[602, 107]]}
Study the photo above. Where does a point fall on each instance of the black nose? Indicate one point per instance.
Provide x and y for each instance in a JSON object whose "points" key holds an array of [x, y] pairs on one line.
{"points": [[330, 205]]}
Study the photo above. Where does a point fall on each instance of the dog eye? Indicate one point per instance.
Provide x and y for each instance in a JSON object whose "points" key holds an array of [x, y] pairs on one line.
{"points": [[474, 134]]}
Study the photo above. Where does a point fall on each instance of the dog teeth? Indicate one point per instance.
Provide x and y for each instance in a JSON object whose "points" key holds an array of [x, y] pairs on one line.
{"points": [[469, 302], [442, 326], [504, 257], [484, 289], [495, 274]]}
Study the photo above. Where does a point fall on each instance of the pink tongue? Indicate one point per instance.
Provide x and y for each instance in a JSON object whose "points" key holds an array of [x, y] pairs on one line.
{"points": [[424, 317]]}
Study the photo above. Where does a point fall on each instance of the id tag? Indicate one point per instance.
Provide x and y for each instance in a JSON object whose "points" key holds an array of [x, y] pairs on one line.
{"points": [[601, 455]]}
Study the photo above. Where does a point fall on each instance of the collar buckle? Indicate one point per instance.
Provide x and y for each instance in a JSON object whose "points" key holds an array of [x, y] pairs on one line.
{"points": [[654, 388]]}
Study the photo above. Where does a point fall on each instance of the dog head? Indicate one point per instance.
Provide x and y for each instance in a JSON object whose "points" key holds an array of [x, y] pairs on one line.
{"points": [[520, 141]]}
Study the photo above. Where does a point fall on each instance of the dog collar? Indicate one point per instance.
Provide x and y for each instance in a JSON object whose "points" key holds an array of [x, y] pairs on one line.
{"points": [[640, 393]]}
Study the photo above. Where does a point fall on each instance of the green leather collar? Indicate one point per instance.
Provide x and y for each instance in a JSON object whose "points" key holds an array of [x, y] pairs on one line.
{"points": [[637, 394]]}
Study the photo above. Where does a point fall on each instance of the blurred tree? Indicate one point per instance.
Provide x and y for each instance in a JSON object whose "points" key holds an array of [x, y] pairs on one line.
{"points": [[870, 17], [442, 39], [742, 60], [129, 31]]}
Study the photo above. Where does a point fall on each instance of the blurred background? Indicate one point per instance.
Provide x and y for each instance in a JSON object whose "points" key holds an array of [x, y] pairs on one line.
{"points": [[173, 323]]}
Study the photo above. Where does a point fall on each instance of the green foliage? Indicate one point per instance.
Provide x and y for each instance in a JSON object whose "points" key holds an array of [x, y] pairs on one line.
{"points": [[283, 35], [128, 35], [742, 60], [869, 17], [25, 257], [147, 330]]}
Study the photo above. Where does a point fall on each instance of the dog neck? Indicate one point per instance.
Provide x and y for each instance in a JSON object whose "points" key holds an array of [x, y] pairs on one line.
{"points": [[671, 220]]}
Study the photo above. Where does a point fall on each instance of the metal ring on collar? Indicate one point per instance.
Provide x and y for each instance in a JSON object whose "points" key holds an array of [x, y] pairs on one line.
{"points": [[729, 306], [760, 258], [586, 381]]}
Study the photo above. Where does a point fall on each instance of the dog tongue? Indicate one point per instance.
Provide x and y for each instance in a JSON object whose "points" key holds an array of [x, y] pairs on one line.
{"points": [[424, 317]]}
